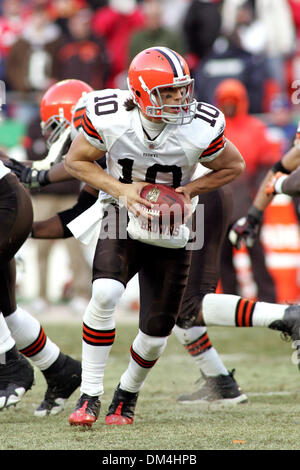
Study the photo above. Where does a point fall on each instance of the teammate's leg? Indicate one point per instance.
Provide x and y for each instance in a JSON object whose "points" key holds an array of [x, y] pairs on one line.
{"points": [[15, 225], [218, 384], [16, 373]]}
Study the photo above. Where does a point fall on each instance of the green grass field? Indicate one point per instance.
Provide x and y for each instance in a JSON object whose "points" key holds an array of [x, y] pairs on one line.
{"points": [[264, 369]]}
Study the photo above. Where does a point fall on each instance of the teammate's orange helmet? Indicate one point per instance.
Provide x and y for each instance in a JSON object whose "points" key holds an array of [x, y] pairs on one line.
{"points": [[57, 105], [156, 68]]}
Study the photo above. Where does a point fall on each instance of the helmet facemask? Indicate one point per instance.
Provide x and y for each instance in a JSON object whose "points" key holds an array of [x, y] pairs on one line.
{"points": [[187, 109], [158, 108], [53, 128]]}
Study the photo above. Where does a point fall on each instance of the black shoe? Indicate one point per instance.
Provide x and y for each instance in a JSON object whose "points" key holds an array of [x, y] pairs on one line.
{"points": [[221, 389], [63, 378], [121, 410], [16, 378], [290, 326], [86, 411]]}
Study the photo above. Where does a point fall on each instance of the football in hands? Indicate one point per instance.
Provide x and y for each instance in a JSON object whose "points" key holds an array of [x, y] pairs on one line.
{"points": [[169, 206]]}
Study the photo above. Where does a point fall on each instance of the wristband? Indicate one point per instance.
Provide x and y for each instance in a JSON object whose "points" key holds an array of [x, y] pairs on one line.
{"points": [[255, 213], [279, 167], [43, 177], [278, 184]]}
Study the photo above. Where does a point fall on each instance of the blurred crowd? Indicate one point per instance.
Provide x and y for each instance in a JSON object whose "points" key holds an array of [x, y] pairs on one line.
{"points": [[43, 41], [256, 42]]}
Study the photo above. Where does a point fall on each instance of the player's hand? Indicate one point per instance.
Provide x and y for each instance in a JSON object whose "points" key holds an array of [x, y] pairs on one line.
{"points": [[244, 230], [30, 177], [270, 187], [188, 209], [133, 201]]}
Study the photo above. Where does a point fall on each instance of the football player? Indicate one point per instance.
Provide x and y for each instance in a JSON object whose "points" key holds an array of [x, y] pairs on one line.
{"points": [[61, 111], [18, 328], [222, 385], [155, 132], [231, 310], [282, 178], [19, 331]]}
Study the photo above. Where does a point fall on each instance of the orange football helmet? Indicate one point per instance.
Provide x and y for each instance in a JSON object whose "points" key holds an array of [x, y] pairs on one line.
{"points": [[154, 69], [57, 105]]}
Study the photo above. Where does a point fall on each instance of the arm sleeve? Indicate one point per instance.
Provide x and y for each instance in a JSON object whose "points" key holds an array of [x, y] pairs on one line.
{"points": [[84, 201]]}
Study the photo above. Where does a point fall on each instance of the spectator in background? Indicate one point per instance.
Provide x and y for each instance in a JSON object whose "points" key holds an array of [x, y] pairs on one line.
{"points": [[116, 22], [249, 29], [61, 10], [227, 59], [30, 59], [173, 16], [82, 56], [154, 33], [95, 4], [277, 19], [293, 65], [12, 22], [250, 136], [295, 10], [201, 27], [281, 123], [274, 20]]}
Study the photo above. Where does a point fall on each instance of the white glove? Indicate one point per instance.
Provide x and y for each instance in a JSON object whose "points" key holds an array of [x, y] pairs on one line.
{"points": [[56, 153]]}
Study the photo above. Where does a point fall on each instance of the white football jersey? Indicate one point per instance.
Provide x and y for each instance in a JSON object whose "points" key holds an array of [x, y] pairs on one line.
{"points": [[3, 170], [171, 158]]}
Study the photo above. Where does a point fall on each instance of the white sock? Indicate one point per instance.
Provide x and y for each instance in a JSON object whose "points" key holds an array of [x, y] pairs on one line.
{"points": [[98, 334], [198, 345], [6, 340], [31, 339], [145, 351], [232, 310]]}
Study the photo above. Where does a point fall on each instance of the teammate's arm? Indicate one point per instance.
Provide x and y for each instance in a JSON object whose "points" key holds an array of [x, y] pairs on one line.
{"points": [[247, 228], [225, 168], [32, 178], [56, 226]]}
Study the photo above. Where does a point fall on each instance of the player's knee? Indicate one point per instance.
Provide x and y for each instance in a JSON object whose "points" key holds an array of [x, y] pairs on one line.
{"points": [[160, 325], [100, 310], [106, 293]]}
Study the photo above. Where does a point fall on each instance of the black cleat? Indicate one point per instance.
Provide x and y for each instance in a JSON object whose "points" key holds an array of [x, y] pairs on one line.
{"points": [[63, 378], [121, 410], [220, 390], [16, 378], [86, 411], [290, 326]]}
